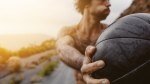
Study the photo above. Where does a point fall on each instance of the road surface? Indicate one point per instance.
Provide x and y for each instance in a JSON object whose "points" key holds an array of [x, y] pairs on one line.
{"points": [[61, 75]]}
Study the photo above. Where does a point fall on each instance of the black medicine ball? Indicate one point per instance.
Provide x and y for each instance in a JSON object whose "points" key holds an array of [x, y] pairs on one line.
{"points": [[125, 48]]}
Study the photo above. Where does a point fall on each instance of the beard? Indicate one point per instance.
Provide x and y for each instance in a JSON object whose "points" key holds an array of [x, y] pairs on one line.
{"points": [[101, 12], [102, 16]]}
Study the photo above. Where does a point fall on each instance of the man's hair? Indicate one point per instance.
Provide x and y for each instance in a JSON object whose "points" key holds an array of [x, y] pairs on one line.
{"points": [[80, 5]]}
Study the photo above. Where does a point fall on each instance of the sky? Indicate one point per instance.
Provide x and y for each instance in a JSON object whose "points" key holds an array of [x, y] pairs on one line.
{"points": [[45, 16]]}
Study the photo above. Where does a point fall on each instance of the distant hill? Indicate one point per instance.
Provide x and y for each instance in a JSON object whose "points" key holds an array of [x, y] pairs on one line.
{"points": [[16, 41]]}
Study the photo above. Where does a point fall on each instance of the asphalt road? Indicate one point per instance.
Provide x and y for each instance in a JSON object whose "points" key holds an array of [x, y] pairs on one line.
{"points": [[61, 75]]}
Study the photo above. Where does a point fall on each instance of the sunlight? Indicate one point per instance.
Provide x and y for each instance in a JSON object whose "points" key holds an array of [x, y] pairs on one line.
{"points": [[45, 16], [25, 16]]}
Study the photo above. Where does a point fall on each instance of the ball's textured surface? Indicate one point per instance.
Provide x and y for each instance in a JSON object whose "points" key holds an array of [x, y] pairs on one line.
{"points": [[125, 48]]}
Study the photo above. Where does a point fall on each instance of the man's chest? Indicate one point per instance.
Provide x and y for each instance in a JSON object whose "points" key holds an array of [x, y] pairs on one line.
{"points": [[82, 41]]}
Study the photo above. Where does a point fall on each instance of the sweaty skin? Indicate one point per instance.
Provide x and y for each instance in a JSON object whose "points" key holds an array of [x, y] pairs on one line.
{"points": [[73, 45]]}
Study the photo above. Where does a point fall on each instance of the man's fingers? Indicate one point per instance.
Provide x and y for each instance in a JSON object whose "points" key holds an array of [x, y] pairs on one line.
{"points": [[90, 80], [91, 67], [87, 60], [88, 67], [90, 50]]}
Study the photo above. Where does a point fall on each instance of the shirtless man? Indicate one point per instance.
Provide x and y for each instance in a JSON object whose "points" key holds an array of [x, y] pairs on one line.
{"points": [[74, 42]]}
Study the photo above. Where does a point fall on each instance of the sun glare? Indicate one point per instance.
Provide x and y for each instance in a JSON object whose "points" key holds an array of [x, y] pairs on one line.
{"points": [[44, 16], [26, 16]]}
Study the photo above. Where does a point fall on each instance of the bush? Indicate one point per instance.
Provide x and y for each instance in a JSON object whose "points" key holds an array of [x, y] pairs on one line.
{"points": [[16, 80], [48, 69], [14, 64]]}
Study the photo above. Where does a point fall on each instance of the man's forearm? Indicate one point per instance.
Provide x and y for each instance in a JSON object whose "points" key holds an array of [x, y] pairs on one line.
{"points": [[71, 56]]}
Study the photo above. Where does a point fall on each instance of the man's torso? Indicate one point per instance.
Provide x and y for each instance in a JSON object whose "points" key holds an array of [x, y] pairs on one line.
{"points": [[81, 42]]}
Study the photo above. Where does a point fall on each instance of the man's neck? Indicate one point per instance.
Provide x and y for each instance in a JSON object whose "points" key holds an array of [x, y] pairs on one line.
{"points": [[89, 23]]}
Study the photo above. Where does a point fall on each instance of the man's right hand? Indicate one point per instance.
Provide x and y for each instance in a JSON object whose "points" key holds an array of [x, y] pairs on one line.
{"points": [[89, 67]]}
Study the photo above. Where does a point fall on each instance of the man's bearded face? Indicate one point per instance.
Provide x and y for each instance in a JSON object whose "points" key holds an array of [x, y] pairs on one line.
{"points": [[100, 8]]}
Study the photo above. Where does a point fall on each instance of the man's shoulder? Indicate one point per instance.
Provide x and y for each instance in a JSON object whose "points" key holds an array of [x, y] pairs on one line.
{"points": [[67, 30]]}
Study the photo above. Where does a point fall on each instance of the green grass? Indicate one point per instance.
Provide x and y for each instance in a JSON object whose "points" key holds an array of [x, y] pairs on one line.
{"points": [[14, 81], [48, 57], [53, 53], [48, 69]]}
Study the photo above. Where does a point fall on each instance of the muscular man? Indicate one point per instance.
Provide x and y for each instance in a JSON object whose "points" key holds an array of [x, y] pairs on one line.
{"points": [[73, 42]]}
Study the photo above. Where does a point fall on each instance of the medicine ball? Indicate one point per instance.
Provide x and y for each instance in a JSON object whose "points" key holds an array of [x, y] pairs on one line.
{"points": [[125, 48]]}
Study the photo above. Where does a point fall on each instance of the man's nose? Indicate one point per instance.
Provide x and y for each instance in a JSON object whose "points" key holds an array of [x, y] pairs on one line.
{"points": [[107, 4]]}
